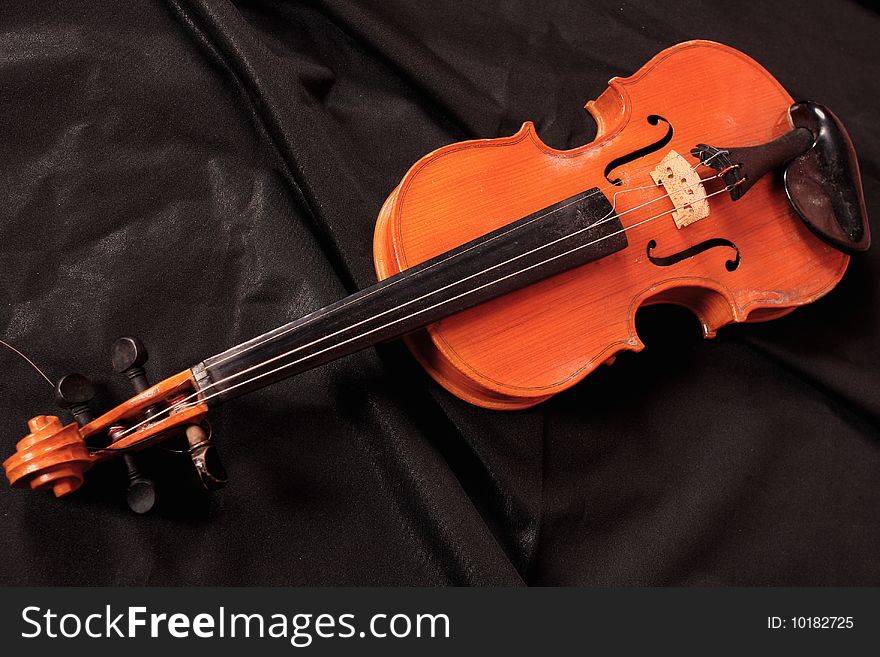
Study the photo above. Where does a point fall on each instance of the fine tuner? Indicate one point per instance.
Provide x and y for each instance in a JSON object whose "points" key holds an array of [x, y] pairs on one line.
{"points": [[512, 270]]}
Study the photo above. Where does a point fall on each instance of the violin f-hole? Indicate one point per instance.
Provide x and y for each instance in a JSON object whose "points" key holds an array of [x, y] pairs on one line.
{"points": [[666, 261], [653, 119]]}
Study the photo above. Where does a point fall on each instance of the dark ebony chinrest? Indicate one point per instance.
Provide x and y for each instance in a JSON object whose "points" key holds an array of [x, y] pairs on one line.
{"points": [[823, 184]]}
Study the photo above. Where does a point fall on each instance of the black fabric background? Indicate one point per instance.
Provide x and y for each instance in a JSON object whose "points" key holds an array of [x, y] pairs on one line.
{"points": [[197, 172]]}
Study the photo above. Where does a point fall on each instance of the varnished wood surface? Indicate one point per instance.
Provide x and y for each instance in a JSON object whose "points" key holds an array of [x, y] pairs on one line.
{"points": [[518, 350], [51, 457]]}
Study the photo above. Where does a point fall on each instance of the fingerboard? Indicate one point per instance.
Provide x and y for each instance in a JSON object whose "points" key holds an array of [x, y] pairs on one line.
{"points": [[570, 233]]}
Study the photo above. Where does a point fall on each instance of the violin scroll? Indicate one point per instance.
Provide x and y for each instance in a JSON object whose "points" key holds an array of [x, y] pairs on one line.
{"points": [[55, 457], [51, 457]]}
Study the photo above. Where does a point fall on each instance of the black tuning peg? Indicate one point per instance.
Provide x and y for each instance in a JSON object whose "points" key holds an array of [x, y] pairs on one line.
{"points": [[128, 355], [73, 392], [141, 493]]}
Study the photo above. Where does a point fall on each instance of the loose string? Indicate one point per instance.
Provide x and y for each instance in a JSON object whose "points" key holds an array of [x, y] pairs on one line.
{"points": [[186, 403], [29, 362]]}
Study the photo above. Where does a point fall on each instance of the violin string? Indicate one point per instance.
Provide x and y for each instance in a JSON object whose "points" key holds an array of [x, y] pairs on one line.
{"points": [[29, 361], [397, 321], [187, 403], [581, 197], [510, 229], [606, 218]]}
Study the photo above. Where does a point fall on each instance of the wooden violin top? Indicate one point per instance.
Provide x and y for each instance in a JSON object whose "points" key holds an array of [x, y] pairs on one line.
{"points": [[518, 350]]}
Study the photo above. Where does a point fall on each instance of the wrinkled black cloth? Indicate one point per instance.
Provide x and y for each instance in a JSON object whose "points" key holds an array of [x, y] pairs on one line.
{"points": [[197, 172]]}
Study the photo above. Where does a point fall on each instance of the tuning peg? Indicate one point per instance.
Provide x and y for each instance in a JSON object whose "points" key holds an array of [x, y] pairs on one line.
{"points": [[141, 493], [73, 392], [128, 355]]}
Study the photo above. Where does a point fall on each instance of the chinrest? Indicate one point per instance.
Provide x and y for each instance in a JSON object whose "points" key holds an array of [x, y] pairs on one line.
{"points": [[823, 183]]}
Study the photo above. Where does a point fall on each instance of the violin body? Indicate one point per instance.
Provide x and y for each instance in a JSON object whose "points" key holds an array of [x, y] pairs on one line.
{"points": [[517, 350]]}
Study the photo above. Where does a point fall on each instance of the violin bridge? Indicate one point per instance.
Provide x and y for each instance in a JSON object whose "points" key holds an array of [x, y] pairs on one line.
{"points": [[684, 187]]}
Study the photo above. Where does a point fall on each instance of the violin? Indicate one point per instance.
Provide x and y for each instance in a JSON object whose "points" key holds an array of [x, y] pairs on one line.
{"points": [[512, 270]]}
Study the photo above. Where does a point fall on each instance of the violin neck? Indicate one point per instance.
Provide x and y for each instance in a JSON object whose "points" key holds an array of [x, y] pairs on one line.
{"points": [[570, 233]]}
